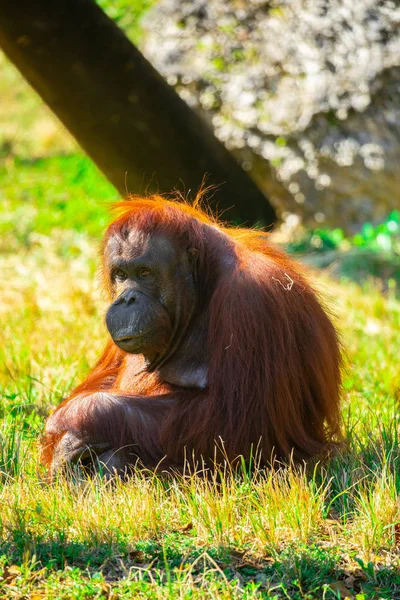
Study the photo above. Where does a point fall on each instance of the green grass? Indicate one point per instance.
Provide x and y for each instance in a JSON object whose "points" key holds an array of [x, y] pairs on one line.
{"points": [[289, 533], [127, 15], [64, 192]]}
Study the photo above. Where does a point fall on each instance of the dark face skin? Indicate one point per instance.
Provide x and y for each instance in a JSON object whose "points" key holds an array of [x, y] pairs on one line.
{"points": [[152, 279]]}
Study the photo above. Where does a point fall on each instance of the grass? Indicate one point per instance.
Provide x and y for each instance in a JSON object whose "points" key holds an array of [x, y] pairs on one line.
{"points": [[294, 533]]}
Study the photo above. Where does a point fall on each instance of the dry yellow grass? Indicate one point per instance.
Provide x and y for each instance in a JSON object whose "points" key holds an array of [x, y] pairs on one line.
{"points": [[288, 533]]}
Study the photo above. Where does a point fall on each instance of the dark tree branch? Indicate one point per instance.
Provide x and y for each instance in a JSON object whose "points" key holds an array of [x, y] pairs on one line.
{"points": [[124, 115]]}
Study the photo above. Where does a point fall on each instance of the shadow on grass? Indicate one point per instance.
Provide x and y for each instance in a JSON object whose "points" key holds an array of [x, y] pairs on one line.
{"points": [[295, 572]]}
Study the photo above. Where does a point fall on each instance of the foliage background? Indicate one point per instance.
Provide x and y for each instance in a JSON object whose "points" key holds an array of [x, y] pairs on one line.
{"points": [[304, 92]]}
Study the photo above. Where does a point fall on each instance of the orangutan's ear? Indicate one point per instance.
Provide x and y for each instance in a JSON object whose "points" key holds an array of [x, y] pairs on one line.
{"points": [[193, 254]]}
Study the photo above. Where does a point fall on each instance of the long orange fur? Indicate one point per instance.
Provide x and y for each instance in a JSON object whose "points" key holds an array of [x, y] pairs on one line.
{"points": [[274, 357]]}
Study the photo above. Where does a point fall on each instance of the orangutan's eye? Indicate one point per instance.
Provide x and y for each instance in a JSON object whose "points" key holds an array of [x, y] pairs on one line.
{"points": [[118, 276], [144, 272]]}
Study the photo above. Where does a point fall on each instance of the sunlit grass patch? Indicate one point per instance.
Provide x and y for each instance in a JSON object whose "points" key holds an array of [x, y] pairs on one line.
{"points": [[61, 192], [284, 533], [269, 532], [291, 532]]}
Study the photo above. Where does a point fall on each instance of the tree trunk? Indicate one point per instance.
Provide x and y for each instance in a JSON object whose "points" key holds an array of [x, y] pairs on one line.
{"points": [[134, 126]]}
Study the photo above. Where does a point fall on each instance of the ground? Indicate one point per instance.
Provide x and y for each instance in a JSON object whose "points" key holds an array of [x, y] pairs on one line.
{"points": [[325, 532]]}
